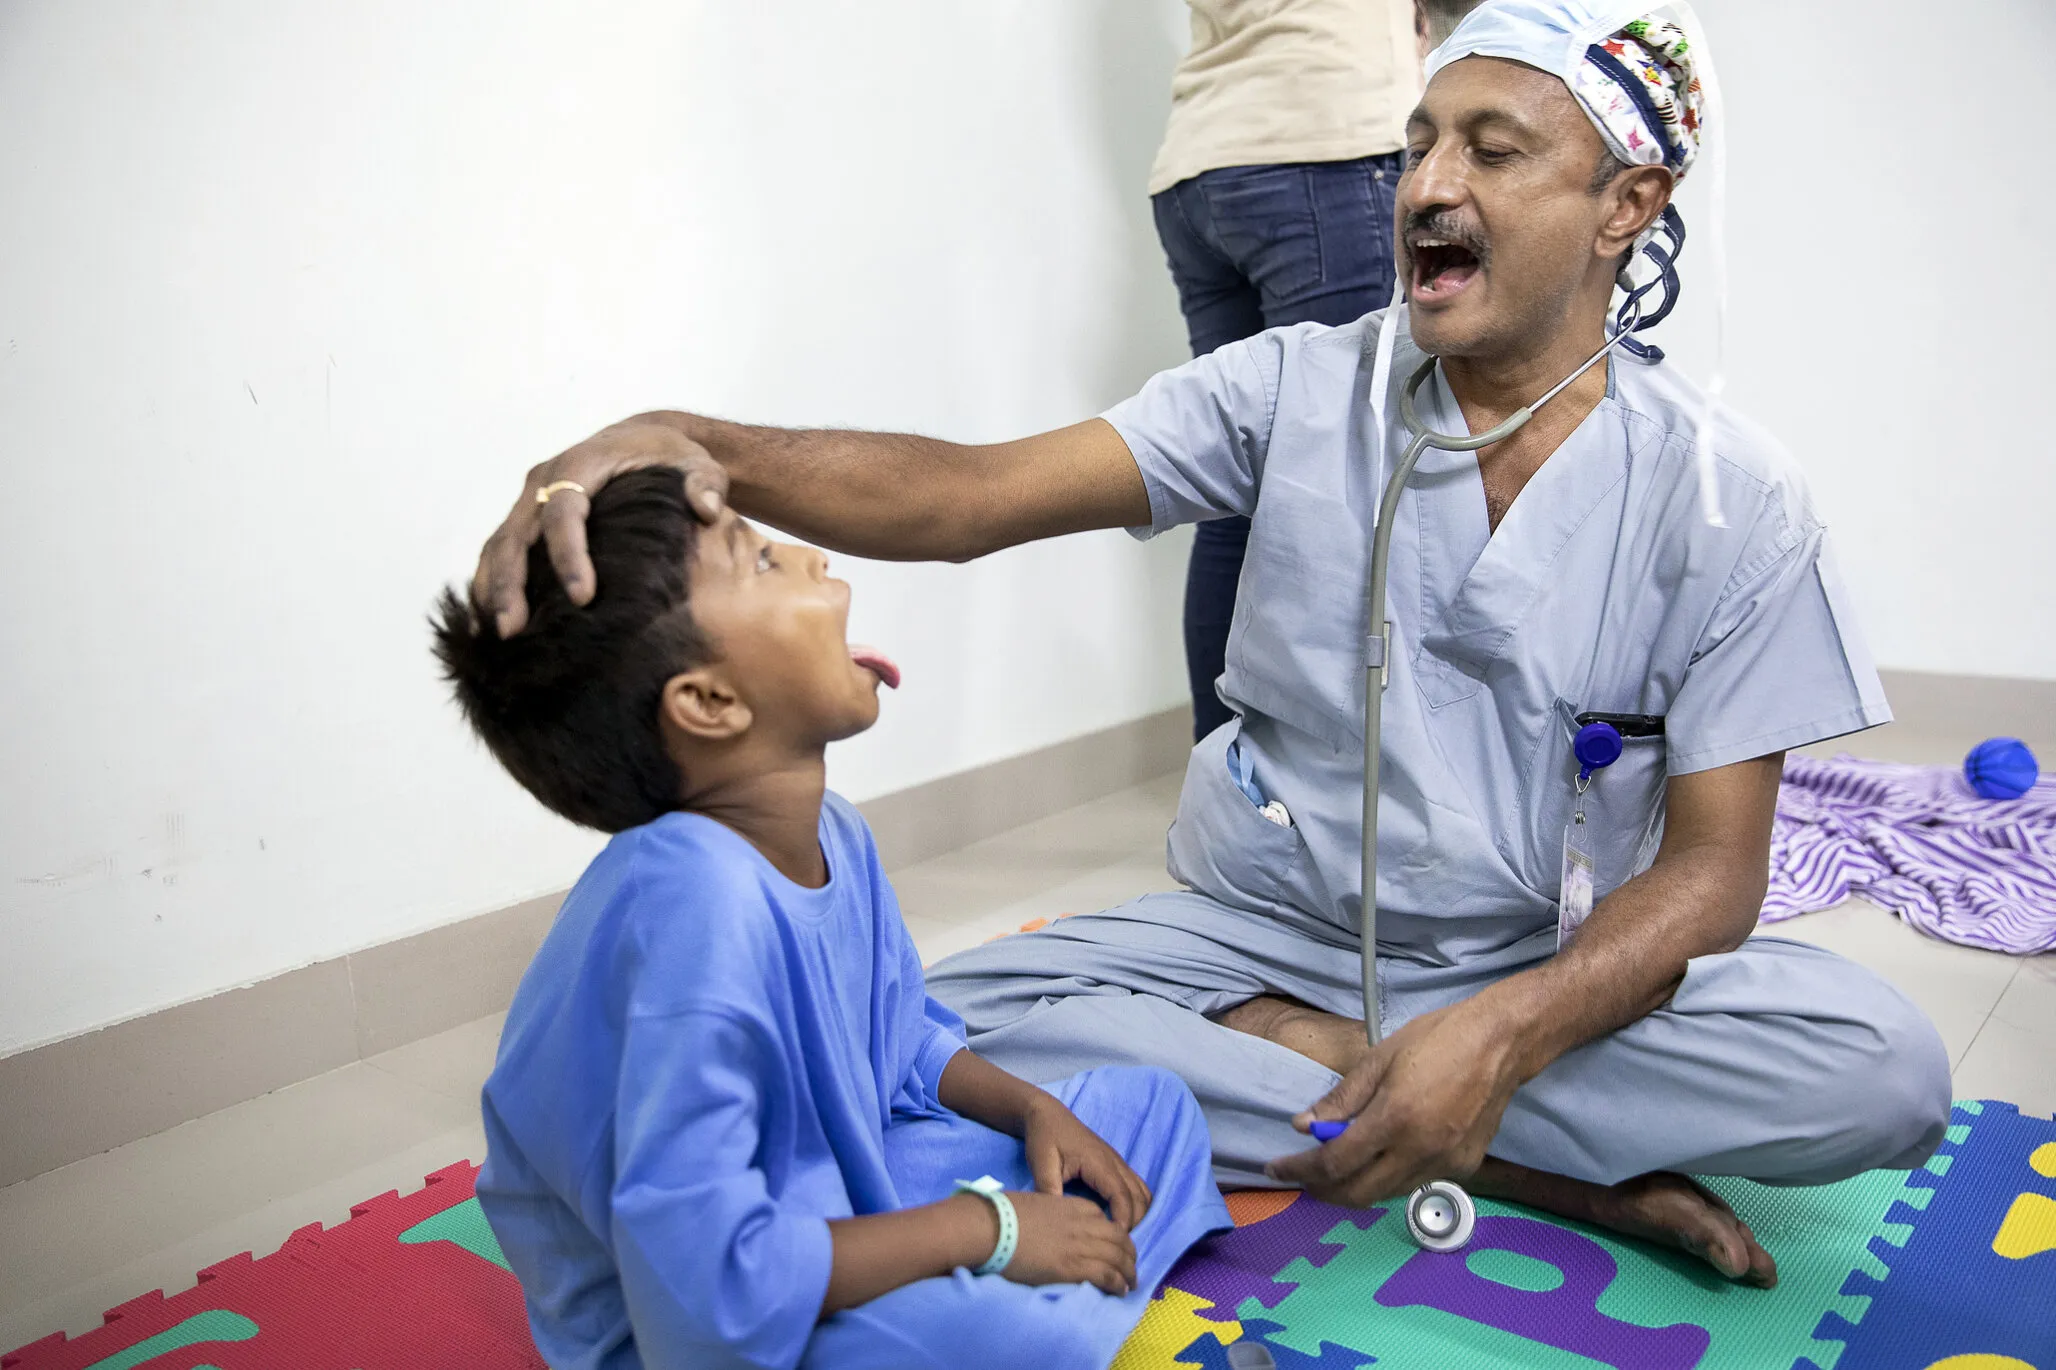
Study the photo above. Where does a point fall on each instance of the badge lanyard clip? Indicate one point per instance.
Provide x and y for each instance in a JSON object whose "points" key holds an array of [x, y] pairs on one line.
{"points": [[1596, 746]]}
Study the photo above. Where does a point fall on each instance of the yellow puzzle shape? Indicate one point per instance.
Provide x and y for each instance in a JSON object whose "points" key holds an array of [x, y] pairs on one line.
{"points": [[2028, 1229], [1171, 1324]]}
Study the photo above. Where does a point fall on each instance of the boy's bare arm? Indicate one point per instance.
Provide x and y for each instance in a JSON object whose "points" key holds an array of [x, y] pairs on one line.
{"points": [[982, 1092], [890, 496], [1062, 1240], [1060, 1148], [878, 1253]]}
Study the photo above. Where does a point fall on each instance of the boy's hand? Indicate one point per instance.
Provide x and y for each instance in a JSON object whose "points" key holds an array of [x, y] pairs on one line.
{"points": [[1067, 1240], [1061, 1149]]}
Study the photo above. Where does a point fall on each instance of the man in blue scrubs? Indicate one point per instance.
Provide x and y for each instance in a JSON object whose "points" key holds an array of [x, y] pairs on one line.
{"points": [[1568, 569]]}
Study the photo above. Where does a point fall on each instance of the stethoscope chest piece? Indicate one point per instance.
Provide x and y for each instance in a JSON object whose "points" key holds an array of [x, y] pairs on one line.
{"points": [[1440, 1216]]}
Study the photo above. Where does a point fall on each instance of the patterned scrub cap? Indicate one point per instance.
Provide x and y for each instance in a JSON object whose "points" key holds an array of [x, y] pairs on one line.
{"points": [[1637, 67], [1641, 92]]}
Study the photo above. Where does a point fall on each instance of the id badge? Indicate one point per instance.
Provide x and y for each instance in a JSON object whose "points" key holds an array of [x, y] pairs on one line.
{"points": [[1575, 904]]}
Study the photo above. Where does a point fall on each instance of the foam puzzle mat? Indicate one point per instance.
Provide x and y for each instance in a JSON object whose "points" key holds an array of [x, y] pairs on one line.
{"points": [[1952, 1267]]}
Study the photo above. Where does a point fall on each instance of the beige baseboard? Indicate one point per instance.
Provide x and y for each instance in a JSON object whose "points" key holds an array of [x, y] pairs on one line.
{"points": [[89, 1093], [1972, 707]]}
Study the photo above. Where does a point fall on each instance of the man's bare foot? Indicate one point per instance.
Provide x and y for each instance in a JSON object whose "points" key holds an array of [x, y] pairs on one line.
{"points": [[1658, 1207], [1336, 1042]]}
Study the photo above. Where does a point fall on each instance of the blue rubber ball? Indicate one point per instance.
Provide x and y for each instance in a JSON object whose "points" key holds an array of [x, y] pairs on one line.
{"points": [[2001, 768]]}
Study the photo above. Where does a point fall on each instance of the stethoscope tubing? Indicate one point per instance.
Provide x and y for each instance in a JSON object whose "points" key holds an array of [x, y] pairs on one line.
{"points": [[1459, 1213], [1379, 638]]}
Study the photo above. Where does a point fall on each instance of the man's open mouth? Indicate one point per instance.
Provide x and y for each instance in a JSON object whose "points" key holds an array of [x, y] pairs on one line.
{"points": [[1441, 268]]}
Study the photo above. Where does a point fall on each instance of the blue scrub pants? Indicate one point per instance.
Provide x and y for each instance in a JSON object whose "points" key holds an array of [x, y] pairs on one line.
{"points": [[1777, 1061], [1252, 248], [987, 1322]]}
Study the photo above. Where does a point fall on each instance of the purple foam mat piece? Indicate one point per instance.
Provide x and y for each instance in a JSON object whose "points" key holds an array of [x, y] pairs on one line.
{"points": [[1243, 1264]]}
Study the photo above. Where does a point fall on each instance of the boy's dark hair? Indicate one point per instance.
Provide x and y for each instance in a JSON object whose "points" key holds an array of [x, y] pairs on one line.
{"points": [[569, 705]]}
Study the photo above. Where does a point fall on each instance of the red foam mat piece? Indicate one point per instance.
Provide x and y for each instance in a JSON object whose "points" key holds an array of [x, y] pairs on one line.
{"points": [[350, 1297]]}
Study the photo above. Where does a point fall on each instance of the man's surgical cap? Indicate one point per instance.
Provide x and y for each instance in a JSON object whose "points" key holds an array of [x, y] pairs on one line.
{"points": [[1632, 71]]}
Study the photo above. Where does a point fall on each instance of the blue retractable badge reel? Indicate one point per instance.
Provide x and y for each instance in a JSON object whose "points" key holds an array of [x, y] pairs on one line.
{"points": [[1597, 746]]}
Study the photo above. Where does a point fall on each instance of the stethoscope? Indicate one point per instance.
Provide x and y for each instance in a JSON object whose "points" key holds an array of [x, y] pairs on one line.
{"points": [[1440, 1214]]}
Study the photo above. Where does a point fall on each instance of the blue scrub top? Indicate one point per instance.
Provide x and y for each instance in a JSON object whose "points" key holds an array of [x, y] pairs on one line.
{"points": [[1603, 589], [698, 1072]]}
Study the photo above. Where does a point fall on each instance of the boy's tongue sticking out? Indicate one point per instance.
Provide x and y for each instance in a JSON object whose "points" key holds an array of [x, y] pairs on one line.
{"points": [[878, 663]]}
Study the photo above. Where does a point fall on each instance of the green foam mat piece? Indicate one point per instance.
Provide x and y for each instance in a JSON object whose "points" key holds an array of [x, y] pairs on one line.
{"points": [[215, 1325], [1819, 1235], [463, 1225]]}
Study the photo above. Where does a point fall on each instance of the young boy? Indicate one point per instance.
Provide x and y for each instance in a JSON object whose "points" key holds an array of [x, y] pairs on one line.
{"points": [[727, 1125]]}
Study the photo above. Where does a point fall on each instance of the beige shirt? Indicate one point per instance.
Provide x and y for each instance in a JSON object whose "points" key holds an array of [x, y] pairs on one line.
{"points": [[1271, 81]]}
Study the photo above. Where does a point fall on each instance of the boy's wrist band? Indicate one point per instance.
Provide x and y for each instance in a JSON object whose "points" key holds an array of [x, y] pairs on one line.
{"points": [[993, 1192]]}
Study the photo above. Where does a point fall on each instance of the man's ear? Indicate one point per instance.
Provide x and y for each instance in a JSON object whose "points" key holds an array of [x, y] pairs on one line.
{"points": [[702, 704], [1639, 195]]}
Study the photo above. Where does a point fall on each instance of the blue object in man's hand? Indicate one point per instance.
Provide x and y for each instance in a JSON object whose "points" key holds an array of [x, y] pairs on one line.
{"points": [[1325, 1131], [2001, 768]]}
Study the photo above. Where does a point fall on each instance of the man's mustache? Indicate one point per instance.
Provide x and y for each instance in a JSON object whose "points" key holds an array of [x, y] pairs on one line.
{"points": [[1440, 223]]}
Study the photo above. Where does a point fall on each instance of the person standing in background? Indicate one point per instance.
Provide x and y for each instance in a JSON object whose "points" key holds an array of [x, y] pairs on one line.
{"points": [[1273, 199]]}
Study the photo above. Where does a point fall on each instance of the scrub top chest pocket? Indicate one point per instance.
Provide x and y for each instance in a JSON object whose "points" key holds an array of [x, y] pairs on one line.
{"points": [[1608, 769]]}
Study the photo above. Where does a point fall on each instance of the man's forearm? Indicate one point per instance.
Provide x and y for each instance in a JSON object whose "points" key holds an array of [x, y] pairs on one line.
{"points": [[1700, 898], [890, 496], [1628, 958], [900, 497]]}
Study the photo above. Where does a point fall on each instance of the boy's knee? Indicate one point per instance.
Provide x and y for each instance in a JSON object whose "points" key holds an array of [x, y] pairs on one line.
{"points": [[1160, 1084], [1136, 1091]]}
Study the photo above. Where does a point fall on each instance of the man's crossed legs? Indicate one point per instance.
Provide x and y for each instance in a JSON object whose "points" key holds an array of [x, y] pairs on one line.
{"points": [[1779, 1061]]}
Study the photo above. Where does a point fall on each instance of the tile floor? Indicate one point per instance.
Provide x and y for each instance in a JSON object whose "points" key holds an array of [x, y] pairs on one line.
{"points": [[148, 1215]]}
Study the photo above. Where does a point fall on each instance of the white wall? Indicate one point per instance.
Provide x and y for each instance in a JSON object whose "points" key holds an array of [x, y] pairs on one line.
{"points": [[291, 294], [1890, 198]]}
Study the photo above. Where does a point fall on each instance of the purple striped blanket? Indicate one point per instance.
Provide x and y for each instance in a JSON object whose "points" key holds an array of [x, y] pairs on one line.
{"points": [[1918, 841]]}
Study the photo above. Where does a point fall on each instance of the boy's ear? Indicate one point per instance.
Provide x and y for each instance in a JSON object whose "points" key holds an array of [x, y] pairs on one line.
{"points": [[702, 704]]}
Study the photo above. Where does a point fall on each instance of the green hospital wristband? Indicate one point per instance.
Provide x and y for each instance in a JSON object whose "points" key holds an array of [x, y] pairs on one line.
{"points": [[993, 1192]]}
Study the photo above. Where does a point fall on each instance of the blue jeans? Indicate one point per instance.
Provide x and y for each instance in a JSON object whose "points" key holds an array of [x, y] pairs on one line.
{"points": [[1260, 247]]}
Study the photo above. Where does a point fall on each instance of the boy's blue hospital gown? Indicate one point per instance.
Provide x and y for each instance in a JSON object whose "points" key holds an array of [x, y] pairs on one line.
{"points": [[707, 1062]]}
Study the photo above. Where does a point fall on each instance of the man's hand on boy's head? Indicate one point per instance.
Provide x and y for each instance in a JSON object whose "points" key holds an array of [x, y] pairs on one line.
{"points": [[500, 585], [1062, 1149]]}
